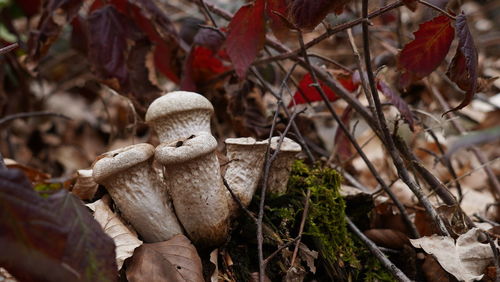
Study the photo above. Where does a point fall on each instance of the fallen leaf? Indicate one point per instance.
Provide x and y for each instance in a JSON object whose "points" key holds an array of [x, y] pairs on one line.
{"points": [[307, 14], [85, 185], [125, 240], [308, 256], [246, 36], [433, 271], [172, 260], [307, 93], [463, 67], [388, 238], [276, 11], [50, 239], [425, 53], [465, 259]]}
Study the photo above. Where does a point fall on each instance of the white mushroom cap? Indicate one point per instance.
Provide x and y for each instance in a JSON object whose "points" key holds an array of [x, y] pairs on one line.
{"points": [[288, 145], [175, 102], [185, 150], [121, 159], [243, 141]]}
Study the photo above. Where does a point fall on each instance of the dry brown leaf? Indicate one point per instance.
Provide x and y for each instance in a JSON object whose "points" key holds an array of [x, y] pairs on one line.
{"points": [[172, 260], [466, 259], [308, 256], [213, 259], [125, 240], [388, 238], [433, 272], [85, 186]]}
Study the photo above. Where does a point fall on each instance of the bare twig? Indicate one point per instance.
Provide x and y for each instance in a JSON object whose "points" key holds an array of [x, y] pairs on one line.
{"points": [[484, 219], [432, 6], [267, 166], [280, 248], [396, 272], [12, 117], [360, 151], [8, 48], [386, 136], [305, 212]]}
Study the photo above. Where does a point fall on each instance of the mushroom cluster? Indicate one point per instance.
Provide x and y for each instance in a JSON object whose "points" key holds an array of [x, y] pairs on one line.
{"points": [[188, 196]]}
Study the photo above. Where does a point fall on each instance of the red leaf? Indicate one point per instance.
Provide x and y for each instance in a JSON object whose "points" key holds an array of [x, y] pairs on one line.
{"points": [[307, 14], [201, 66], [429, 48], [276, 12], [463, 67], [397, 102], [50, 239], [246, 36], [307, 93], [29, 7]]}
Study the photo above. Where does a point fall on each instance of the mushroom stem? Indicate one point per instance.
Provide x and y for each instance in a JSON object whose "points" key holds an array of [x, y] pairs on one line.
{"points": [[282, 165], [192, 173], [246, 159], [138, 191]]}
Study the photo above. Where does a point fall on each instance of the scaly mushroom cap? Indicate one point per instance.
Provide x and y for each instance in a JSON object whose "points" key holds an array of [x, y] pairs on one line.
{"points": [[121, 159], [185, 150], [179, 114], [281, 167]]}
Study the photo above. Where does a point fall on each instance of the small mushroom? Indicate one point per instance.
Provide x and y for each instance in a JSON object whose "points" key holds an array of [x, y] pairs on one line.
{"points": [[138, 191], [282, 165], [192, 173], [179, 114], [245, 162]]}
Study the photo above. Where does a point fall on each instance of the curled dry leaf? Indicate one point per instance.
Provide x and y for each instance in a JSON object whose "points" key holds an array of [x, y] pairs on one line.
{"points": [[172, 260], [85, 186], [463, 67], [388, 238], [125, 240], [465, 259]]}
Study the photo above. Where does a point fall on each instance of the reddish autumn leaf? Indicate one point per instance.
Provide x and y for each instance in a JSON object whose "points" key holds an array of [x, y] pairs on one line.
{"points": [[202, 65], [55, 14], [463, 67], [50, 239], [30, 7], [423, 55], [397, 102], [157, 27], [276, 11], [246, 36], [307, 93], [307, 14]]}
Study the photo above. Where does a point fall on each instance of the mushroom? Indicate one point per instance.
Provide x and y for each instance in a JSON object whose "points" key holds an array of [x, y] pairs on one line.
{"points": [[85, 186], [179, 114], [282, 165], [245, 161], [138, 191], [192, 173]]}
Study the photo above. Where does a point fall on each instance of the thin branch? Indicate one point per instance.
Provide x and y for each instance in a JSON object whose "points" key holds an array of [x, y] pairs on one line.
{"points": [[343, 127], [432, 6], [8, 48], [386, 135], [280, 248], [12, 117], [301, 227], [396, 272]]}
